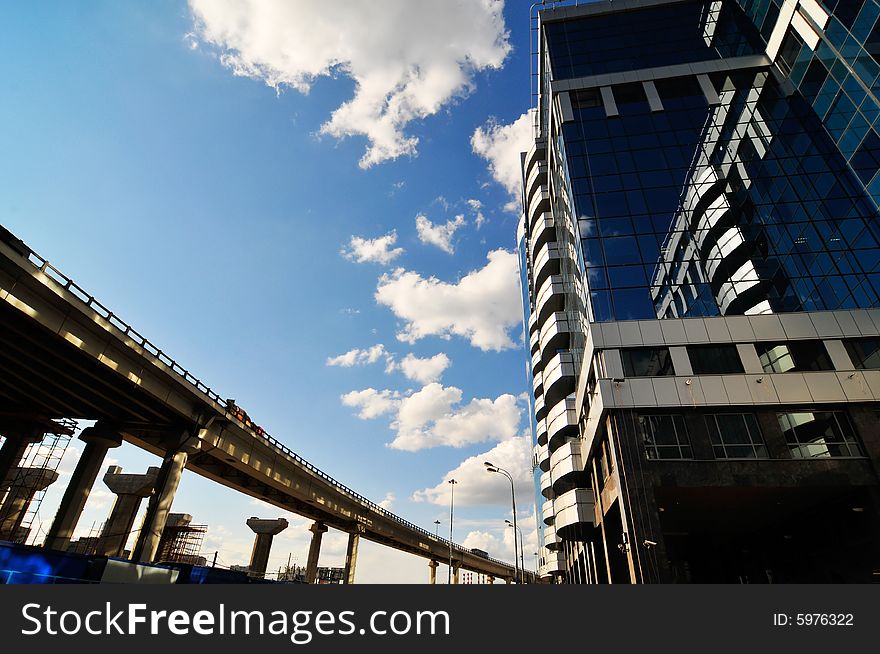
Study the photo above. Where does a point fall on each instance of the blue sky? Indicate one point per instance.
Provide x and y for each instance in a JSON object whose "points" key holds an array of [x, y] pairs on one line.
{"points": [[146, 153]]}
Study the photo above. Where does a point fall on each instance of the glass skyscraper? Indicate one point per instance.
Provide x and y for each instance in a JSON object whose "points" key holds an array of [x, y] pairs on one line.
{"points": [[700, 260]]}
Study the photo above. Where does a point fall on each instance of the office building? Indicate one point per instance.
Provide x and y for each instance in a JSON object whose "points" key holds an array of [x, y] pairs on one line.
{"points": [[700, 260]]}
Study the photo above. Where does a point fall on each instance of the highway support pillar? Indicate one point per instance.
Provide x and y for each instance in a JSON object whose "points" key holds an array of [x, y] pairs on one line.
{"points": [[17, 438], [490, 580], [147, 544], [130, 490], [432, 571], [508, 580], [22, 484], [265, 531], [456, 569], [98, 439], [318, 530], [351, 555]]}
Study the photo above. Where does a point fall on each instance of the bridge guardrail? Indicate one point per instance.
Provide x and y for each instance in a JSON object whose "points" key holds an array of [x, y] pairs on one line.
{"points": [[44, 266]]}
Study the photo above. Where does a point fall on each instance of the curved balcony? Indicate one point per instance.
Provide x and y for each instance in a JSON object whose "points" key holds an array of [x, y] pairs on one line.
{"points": [[536, 153], [551, 540], [534, 340], [559, 377], [533, 322], [540, 408], [575, 514], [546, 263], [537, 362], [556, 333], [542, 433], [561, 423], [542, 457], [546, 486], [543, 231], [553, 564], [547, 512], [550, 298], [538, 384], [567, 468], [537, 175], [539, 204]]}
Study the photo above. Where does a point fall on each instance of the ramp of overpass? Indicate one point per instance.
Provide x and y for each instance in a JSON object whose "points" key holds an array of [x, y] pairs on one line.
{"points": [[66, 355]]}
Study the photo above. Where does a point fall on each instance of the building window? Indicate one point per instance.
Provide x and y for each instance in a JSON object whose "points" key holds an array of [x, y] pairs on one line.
{"points": [[647, 362], [796, 356], [665, 437], [736, 436], [714, 359], [819, 434], [864, 352]]}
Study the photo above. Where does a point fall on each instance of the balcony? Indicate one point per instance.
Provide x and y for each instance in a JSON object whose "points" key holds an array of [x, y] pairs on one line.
{"points": [[567, 468], [550, 298], [537, 175], [538, 384], [537, 362], [543, 231], [542, 457], [546, 486], [556, 333], [546, 263], [559, 377], [542, 432], [533, 323], [547, 512], [552, 563], [534, 341], [538, 205], [536, 154], [575, 514], [561, 422], [540, 408], [551, 540]]}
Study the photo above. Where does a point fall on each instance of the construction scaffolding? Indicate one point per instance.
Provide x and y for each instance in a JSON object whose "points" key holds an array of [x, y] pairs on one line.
{"points": [[181, 541], [23, 490]]}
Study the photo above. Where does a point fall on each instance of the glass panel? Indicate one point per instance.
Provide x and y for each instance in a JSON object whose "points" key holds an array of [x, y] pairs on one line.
{"points": [[647, 362], [795, 356], [819, 434], [714, 359]]}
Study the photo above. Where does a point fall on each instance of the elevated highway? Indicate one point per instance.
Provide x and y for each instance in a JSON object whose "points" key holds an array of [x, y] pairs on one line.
{"points": [[63, 354]]}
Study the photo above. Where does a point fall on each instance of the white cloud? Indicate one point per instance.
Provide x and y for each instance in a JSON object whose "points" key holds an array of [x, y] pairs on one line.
{"points": [[375, 250], [501, 146], [408, 58], [439, 235], [430, 418], [433, 416], [372, 403], [388, 501], [479, 218], [477, 487], [424, 370], [485, 541], [482, 307], [360, 357]]}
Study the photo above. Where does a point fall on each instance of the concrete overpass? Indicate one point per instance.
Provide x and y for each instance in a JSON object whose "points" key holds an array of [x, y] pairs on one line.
{"points": [[65, 355]]}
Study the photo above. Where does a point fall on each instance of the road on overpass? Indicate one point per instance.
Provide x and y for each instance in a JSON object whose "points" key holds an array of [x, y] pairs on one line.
{"points": [[65, 355]]}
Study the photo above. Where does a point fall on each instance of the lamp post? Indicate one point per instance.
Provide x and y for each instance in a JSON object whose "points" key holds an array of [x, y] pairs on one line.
{"points": [[522, 565], [451, 503], [493, 468], [437, 528]]}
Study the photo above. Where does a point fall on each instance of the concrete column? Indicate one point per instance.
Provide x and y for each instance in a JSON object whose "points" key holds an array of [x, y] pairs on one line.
{"points": [[318, 530], [18, 437], [490, 580], [22, 484], [265, 531], [98, 440], [130, 489], [147, 544], [432, 570], [351, 555], [455, 573], [508, 580]]}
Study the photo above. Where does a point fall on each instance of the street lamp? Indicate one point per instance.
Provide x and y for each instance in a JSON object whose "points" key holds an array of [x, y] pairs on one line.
{"points": [[493, 468], [522, 565], [437, 528], [451, 499]]}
